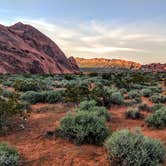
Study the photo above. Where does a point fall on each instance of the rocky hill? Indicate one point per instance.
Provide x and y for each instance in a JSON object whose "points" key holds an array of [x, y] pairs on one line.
{"points": [[154, 67], [24, 49], [106, 63]]}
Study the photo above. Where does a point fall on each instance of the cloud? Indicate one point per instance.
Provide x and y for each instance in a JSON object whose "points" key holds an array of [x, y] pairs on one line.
{"points": [[105, 49], [143, 42]]}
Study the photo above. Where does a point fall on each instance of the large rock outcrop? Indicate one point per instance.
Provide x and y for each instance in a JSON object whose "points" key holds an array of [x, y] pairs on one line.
{"points": [[24, 49], [106, 63], [155, 67]]}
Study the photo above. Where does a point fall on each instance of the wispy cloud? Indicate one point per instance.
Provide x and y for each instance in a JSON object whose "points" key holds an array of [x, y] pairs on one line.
{"points": [[143, 42]]}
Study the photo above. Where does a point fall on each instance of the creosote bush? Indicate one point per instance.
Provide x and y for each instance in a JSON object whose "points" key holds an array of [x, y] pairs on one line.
{"points": [[127, 148], [8, 155], [133, 114], [83, 128], [157, 119], [144, 107], [158, 98], [44, 97], [29, 85], [91, 107], [147, 92]]}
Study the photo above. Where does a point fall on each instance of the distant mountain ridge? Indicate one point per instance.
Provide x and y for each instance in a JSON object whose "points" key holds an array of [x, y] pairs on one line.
{"points": [[24, 49], [106, 63], [154, 67]]}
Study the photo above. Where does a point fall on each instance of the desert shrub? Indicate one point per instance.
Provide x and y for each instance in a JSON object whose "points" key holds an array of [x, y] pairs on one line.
{"points": [[157, 107], [133, 94], [116, 98], [43, 97], [123, 90], [91, 107], [158, 98], [127, 148], [144, 107], [147, 92], [137, 100], [52, 96], [87, 104], [83, 128], [29, 85], [7, 93], [8, 155], [32, 97], [77, 93], [133, 114], [157, 119], [155, 89], [7, 109]]}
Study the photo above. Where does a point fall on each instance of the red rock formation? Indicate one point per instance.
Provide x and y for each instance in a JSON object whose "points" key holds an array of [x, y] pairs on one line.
{"points": [[73, 63], [106, 63], [156, 67], [24, 49]]}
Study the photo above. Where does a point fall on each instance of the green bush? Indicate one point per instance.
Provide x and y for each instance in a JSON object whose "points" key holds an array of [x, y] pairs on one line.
{"points": [[157, 107], [147, 92], [7, 109], [7, 93], [157, 119], [126, 148], [77, 93], [43, 97], [158, 98], [133, 94], [116, 98], [133, 114], [144, 107], [29, 85], [8, 155], [83, 128], [87, 104]]}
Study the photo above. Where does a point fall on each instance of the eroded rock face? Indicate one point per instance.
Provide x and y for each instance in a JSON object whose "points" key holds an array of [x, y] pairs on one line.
{"points": [[24, 49], [156, 67], [106, 63], [73, 62]]}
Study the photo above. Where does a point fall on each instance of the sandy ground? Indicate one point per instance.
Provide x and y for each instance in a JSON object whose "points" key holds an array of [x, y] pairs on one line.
{"points": [[38, 150]]}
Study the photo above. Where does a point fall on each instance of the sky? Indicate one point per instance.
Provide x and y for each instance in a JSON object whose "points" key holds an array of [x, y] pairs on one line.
{"points": [[116, 29]]}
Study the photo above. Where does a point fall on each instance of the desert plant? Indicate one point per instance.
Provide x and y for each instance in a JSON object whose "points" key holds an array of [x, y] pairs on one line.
{"points": [[144, 107], [133, 94], [158, 98], [91, 107], [127, 148], [83, 128], [133, 114], [147, 92], [7, 109], [157, 107], [8, 155], [44, 97], [116, 98], [29, 85], [87, 104], [157, 119]]}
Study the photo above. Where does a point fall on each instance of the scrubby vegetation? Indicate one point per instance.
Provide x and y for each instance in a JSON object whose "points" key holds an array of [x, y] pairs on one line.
{"points": [[93, 103], [42, 97], [83, 128], [132, 149], [157, 119], [133, 114], [91, 107], [8, 155]]}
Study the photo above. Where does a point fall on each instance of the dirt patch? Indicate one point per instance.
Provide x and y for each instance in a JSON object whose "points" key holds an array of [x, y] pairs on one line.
{"points": [[38, 150]]}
